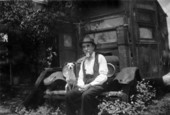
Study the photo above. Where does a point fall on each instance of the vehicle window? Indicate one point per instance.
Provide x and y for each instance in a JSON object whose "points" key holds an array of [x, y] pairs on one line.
{"points": [[145, 33]]}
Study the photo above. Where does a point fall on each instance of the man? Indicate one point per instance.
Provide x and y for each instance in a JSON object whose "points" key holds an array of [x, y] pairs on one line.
{"points": [[92, 74]]}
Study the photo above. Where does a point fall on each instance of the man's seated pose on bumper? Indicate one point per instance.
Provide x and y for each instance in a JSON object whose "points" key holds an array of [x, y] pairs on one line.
{"points": [[92, 74]]}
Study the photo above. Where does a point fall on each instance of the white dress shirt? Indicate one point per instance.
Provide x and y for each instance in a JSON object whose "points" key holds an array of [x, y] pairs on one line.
{"points": [[89, 63]]}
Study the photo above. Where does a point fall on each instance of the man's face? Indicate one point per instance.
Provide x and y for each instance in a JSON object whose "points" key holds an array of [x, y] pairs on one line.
{"points": [[88, 49]]}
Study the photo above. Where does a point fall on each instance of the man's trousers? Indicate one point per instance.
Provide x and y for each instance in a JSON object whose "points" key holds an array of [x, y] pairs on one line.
{"points": [[85, 101]]}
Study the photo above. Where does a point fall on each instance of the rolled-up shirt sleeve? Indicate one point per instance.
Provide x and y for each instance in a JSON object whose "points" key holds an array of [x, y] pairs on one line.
{"points": [[80, 81], [103, 70]]}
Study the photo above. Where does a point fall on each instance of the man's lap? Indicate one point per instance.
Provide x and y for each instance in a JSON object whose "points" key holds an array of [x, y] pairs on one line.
{"points": [[93, 91]]}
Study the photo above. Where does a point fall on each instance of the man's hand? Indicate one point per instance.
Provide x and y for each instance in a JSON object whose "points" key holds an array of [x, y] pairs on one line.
{"points": [[85, 87]]}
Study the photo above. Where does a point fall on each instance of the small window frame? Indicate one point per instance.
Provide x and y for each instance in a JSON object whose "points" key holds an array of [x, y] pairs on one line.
{"points": [[148, 23], [143, 39]]}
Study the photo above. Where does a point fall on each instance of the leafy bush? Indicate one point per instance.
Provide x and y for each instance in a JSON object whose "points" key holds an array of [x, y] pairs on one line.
{"points": [[136, 106], [42, 110]]}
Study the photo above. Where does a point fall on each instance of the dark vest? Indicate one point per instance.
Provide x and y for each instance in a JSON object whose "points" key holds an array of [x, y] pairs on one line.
{"points": [[89, 78]]}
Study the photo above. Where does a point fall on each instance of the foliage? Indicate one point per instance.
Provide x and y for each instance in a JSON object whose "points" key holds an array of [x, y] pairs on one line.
{"points": [[14, 11], [136, 106], [42, 110], [47, 61], [37, 23], [34, 29]]}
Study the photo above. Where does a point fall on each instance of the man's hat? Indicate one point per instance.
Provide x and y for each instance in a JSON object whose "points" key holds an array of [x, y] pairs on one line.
{"points": [[87, 39]]}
